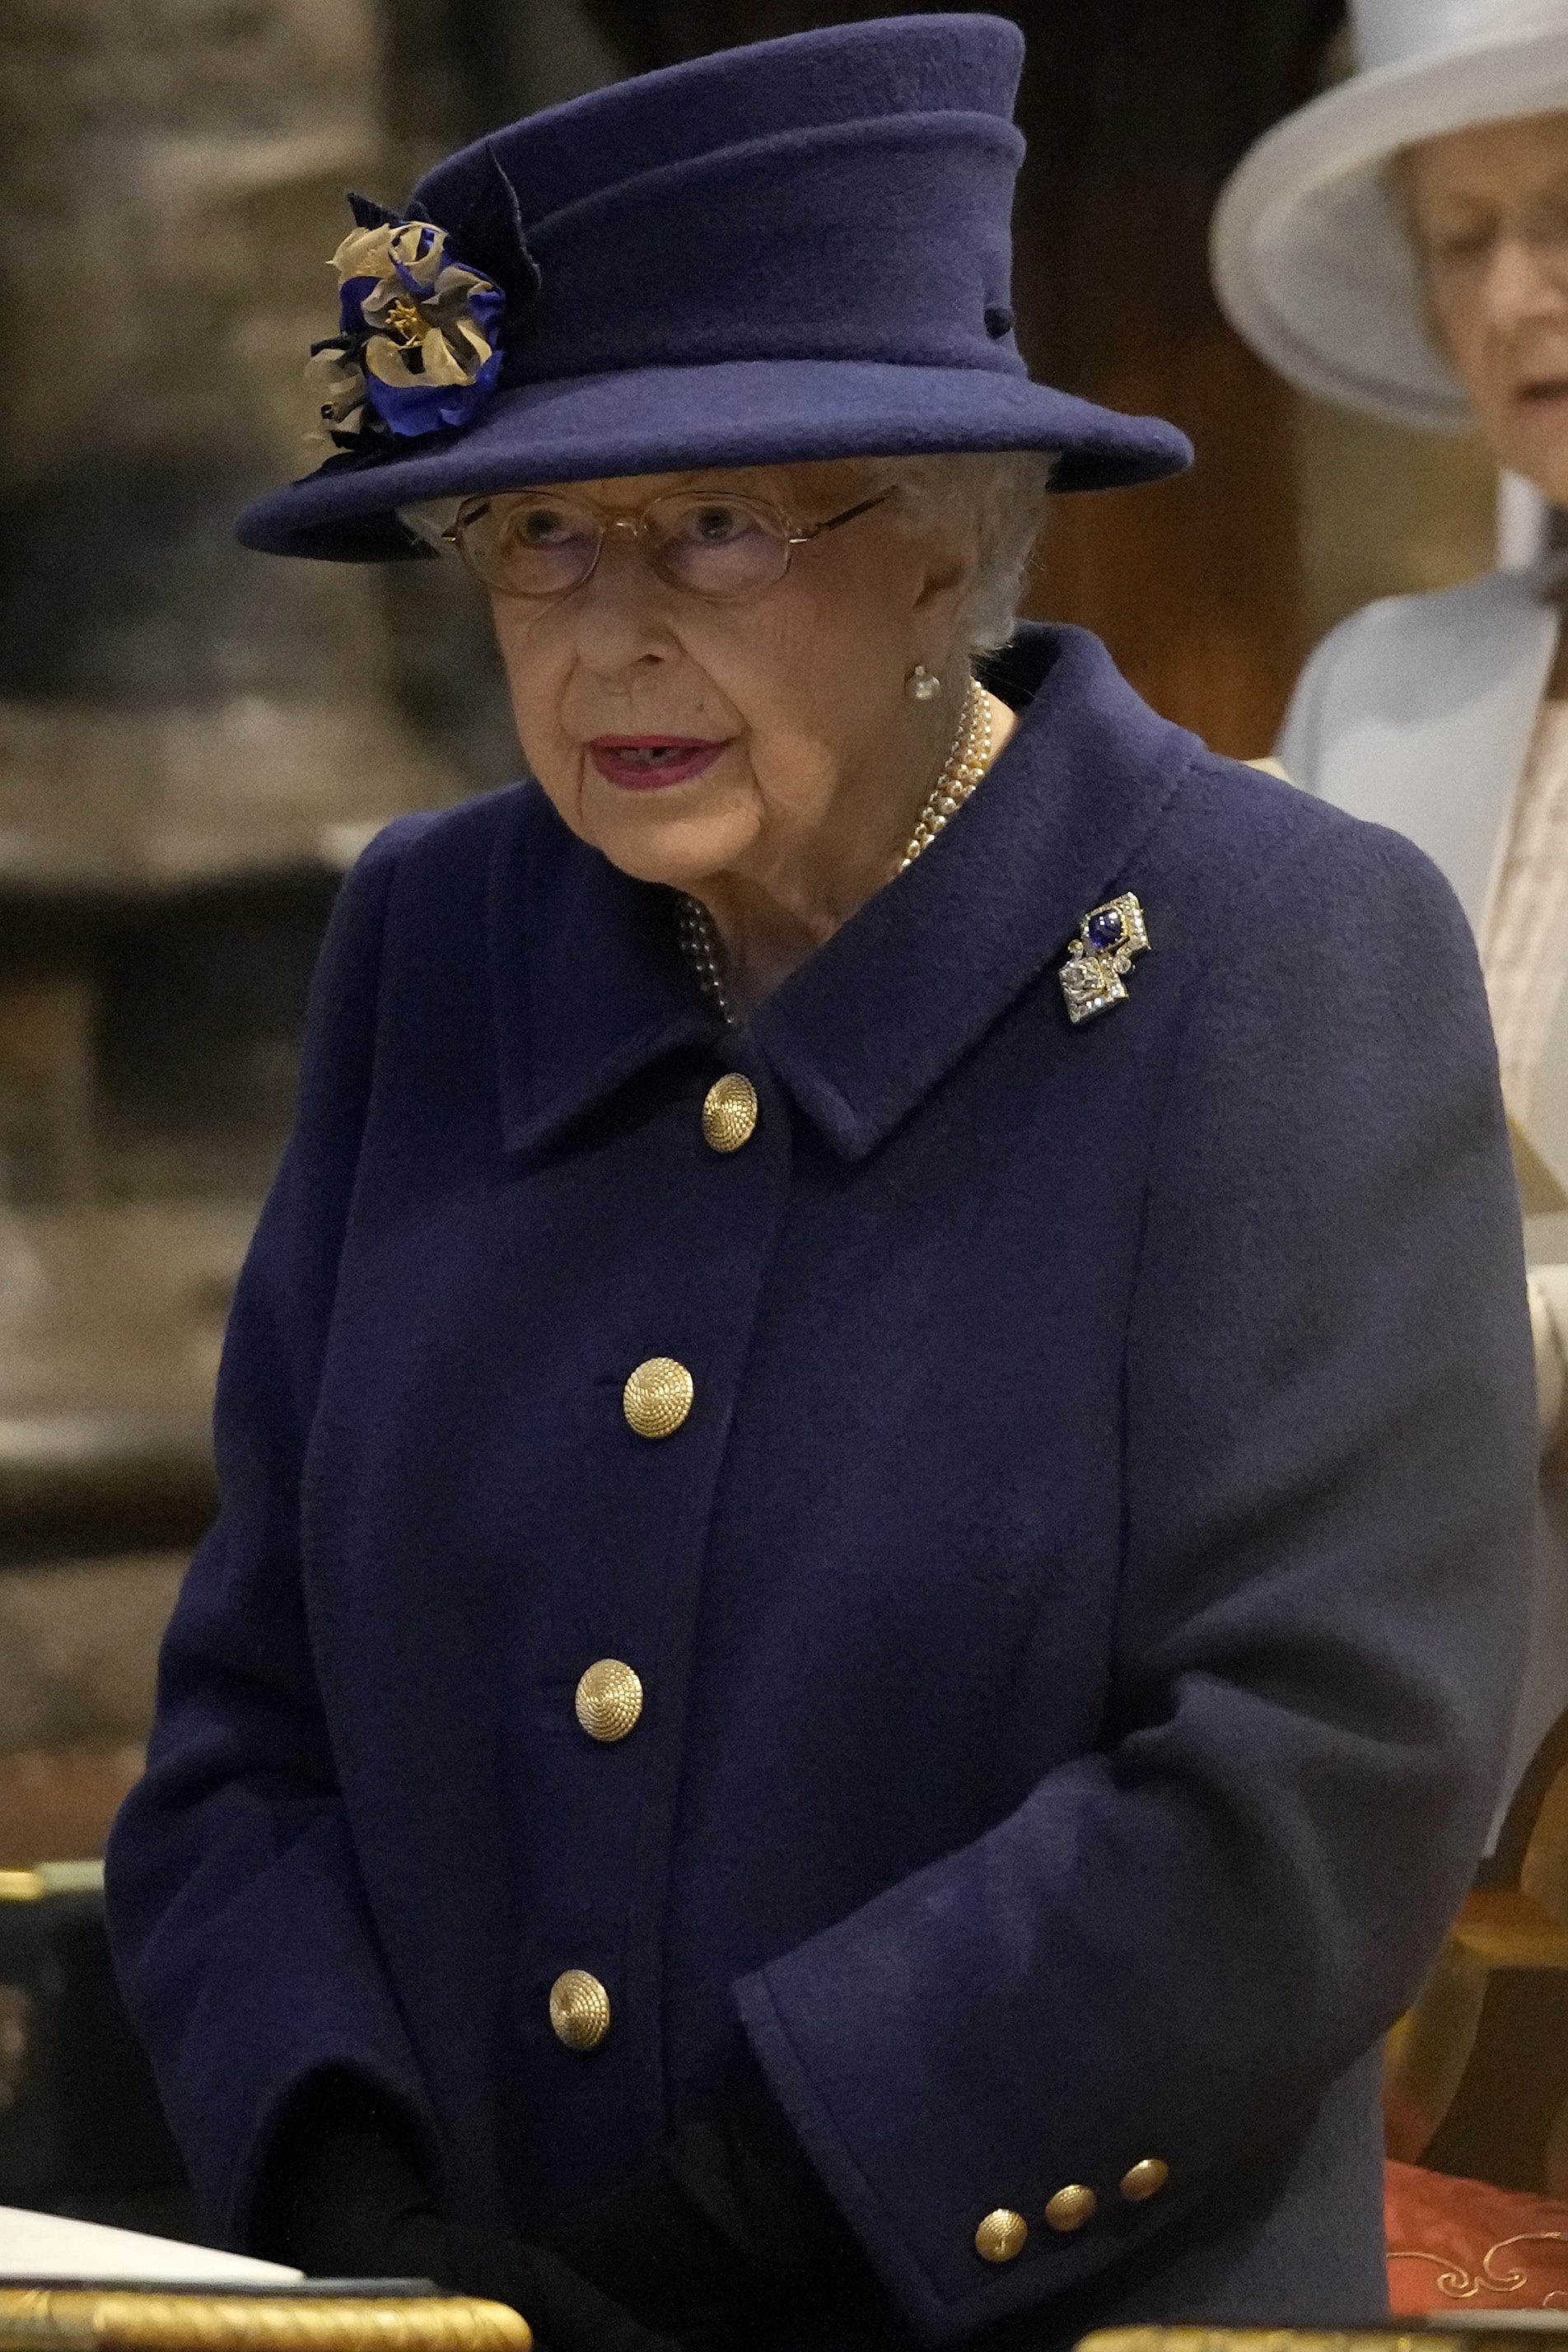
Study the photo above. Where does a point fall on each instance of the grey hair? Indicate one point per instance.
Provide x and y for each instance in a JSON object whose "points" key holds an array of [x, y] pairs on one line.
{"points": [[999, 497], [995, 497]]}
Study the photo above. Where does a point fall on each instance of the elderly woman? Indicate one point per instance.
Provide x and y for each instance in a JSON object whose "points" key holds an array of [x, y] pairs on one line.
{"points": [[842, 1680], [1401, 246]]}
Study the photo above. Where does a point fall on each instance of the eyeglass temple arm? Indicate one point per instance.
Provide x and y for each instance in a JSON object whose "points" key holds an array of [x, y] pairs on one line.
{"points": [[798, 538], [468, 511]]}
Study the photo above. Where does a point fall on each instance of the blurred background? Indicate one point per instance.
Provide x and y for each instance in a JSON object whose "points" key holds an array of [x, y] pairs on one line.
{"points": [[195, 741]]}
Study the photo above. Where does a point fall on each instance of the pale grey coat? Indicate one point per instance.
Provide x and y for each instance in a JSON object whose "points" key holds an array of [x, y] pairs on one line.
{"points": [[1417, 712]]}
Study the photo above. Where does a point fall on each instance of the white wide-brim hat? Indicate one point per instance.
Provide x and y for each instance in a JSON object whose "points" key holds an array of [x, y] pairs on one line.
{"points": [[1312, 262]]}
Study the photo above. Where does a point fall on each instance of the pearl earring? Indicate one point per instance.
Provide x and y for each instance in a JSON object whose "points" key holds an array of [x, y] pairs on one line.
{"points": [[923, 686]]}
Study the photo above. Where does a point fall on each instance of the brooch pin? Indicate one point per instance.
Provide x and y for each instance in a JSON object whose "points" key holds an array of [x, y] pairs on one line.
{"points": [[1094, 976]]}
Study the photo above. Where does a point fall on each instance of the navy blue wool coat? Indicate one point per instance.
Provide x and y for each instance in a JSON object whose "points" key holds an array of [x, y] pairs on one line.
{"points": [[1079, 1618]]}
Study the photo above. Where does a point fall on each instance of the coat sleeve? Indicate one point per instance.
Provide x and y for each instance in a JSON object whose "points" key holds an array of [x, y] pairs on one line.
{"points": [[1180, 1942], [239, 1928]]}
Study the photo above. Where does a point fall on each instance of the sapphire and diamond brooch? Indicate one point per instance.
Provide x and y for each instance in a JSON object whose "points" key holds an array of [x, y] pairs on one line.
{"points": [[1094, 976]]}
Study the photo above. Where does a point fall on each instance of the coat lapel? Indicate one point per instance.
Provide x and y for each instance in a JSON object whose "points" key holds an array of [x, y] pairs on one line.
{"points": [[586, 978], [588, 986], [873, 1022]]}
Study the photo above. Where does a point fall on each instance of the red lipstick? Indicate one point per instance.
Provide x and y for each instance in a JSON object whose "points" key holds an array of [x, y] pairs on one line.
{"points": [[645, 763]]}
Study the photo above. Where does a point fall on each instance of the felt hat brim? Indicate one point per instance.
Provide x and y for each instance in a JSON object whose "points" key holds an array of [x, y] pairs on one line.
{"points": [[658, 420], [1313, 265]]}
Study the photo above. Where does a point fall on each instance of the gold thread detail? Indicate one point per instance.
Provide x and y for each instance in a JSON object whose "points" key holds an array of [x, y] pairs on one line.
{"points": [[1458, 2285]]}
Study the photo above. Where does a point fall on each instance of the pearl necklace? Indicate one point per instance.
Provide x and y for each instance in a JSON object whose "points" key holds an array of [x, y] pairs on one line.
{"points": [[963, 768], [965, 763]]}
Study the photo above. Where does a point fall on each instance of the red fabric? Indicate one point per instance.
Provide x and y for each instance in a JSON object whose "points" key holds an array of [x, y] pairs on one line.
{"points": [[1464, 2243]]}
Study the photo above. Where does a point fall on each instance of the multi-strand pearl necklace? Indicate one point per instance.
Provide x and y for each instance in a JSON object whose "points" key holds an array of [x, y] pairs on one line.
{"points": [[965, 764]]}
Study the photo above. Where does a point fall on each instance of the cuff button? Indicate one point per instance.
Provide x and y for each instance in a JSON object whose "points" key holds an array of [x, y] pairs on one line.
{"points": [[1001, 2236], [1071, 2207], [1144, 2179]]}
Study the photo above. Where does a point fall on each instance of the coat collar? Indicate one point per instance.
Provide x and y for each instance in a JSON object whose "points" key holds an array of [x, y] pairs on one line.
{"points": [[590, 986]]}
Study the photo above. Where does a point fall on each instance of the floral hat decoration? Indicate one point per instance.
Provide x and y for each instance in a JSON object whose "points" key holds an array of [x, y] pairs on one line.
{"points": [[797, 249], [418, 344]]}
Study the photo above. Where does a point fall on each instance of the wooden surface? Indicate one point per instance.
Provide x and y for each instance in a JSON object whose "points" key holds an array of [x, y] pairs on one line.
{"points": [[56, 1804]]}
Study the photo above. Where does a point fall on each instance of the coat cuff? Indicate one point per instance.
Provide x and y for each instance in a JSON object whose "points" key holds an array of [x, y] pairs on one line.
{"points": [[930, 2266], [285, 1984]]}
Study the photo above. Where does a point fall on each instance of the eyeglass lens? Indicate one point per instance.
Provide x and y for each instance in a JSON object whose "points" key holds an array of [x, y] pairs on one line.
{"points": [[545, 545]]}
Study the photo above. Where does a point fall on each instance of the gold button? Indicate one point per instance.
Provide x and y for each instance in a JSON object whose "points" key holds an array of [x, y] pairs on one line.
{"points": [[1145, 2179], [1001, 2236], [658, 1397], [609, 1700], [730, 1113], [579, 2010], [1071, 2207]]}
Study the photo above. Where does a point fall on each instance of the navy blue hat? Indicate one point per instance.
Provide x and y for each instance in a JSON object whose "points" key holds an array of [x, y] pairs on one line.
{"points": [[801, 249]]}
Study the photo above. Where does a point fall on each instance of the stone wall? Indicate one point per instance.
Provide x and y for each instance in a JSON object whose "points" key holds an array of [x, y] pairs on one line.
{"points": [[193, 741], [172, 178]]}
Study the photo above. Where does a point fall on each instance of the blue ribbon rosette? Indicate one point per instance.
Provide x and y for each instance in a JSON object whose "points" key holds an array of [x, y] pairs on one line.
{"points": [[419, 341]]}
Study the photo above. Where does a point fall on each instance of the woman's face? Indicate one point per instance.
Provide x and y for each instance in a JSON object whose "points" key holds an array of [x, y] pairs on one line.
{"points": [[688, 739], [1489, 209]]}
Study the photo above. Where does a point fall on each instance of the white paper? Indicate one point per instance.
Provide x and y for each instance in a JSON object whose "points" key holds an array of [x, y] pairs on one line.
{"points": [[47, 2246]]}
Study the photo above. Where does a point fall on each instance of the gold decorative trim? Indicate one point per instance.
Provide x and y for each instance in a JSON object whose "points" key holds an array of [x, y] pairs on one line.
{"points": [[1296, 2339], [1459, 2284], [71, 2318]]}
